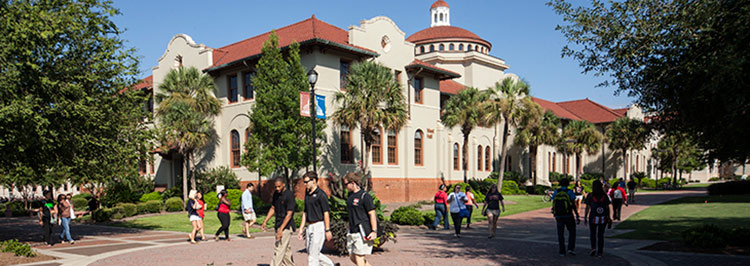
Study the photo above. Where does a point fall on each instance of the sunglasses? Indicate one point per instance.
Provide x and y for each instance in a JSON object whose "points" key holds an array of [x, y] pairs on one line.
{"points": [[307, 181]]}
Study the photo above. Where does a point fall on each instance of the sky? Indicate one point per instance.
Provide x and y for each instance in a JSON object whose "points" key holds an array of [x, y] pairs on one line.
{"points": [[522, 32]]}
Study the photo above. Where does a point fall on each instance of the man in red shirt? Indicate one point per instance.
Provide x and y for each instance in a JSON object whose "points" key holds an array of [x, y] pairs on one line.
{"points": [[441, 208]]}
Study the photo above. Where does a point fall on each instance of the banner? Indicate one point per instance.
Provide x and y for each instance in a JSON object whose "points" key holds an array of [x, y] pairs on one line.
{"points": [[304, 105], [320, 106]]}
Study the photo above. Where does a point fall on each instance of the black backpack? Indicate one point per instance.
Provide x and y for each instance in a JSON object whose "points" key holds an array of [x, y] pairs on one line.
{"points": [[366, 225], [561, 203]]}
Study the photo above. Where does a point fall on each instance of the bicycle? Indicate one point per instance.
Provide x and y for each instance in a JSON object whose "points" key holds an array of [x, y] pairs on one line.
{"points": [[548, 195]]}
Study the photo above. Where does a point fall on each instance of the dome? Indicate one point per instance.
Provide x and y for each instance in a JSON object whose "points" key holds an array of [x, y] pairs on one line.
{"points": [[439, 3], [446, 33]]}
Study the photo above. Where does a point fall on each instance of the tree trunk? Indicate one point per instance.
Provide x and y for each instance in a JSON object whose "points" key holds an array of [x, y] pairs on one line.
{"points": [[365, 167], [501, 171], [624, 163], [184, 179], [191, 172], [465, 153], [532, 163], [578, 166]]}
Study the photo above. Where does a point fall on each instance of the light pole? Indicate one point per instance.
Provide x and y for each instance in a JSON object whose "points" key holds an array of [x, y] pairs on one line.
{"points": [[312, 78]]}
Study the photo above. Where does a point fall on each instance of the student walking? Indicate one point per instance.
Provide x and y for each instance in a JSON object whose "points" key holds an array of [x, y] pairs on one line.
{"points": [[248, 213], [282, 208], [63, 210], [192, 208], [46, 217], [597, 216], [316, 215], [363, 223], [563, 209], [492, 202], [223, 214], [470, 204], [631, 190], [580, 193], [201, 213], [457, 201], [441, 206], [619, 197]]}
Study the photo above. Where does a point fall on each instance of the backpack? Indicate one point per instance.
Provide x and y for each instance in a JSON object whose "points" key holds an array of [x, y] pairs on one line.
{"points": [[617, 194], [561, 203], [599, 210], [366, 225]]}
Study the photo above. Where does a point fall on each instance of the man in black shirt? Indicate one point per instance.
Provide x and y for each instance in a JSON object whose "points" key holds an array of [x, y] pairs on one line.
{"points": [[631, 190], [316, 214], [363, 223], [45, 215], [283, 207]]}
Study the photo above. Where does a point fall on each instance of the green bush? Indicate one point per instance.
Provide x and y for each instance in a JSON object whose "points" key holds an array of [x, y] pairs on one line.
{"points": [[428, 217], [18, 248], [17, 208], [407, 216], [478, 196], [235, 198], [713, 179], [174, 204], [126, 189], [211, 200], [128, 209], [648, 183], [80, 204], [587, 184], [223, 175], [591, 176], [262, 207], [556, 177], [84, 218], [102, 215], [739, 236], [141, 207], [156, 195], [730, 188], [153, 206], [2, 208], [482, 185], [174, 191], [83, 195], [705, 236], [299, 205], [664, 181], [510, 187], [517, 177]]}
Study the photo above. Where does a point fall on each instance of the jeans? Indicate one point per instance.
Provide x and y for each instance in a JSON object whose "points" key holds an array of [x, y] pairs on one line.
{"points": [[315, 236], [616, 208], [468, 219], [457, 221], [562, 224], [597, 237], [224, 218], [440, 214], [65, 234]]}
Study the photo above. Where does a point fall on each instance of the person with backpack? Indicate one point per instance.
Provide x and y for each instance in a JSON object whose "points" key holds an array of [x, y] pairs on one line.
{"points": [[597, 216], [457, 201], [441, 207], [618, 196], [192, 208], [631, 190], [563, 208], [363, 223]]}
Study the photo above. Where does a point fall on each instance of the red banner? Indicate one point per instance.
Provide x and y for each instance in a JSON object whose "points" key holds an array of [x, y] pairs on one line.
{"points": [[304, 103]]}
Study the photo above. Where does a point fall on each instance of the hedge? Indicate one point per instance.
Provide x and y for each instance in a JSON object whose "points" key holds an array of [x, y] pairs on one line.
{"points": [[102, 215], [478, 196], [80, 203], [510, 187], [730, 188], [84, 195], [407, 215], [174, 204], [156, 195], [153, 206], [141, 207], [128, 209]]}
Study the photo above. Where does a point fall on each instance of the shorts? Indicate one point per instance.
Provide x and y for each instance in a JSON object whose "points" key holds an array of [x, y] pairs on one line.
{"points": [[495, 213], [249, 216], [358, 246], [579, 197], [195, 218]]}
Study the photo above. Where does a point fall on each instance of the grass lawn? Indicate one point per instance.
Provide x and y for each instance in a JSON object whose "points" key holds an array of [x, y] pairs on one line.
{"points": [[179, 222], [666, 221], [524, 203], [694, 185]]}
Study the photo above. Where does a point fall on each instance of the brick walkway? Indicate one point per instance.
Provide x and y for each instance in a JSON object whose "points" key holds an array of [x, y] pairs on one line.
{"points": [[523, 239]]}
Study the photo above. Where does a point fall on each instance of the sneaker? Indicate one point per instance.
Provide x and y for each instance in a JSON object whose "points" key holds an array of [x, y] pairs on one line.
{"points": [[572, 253], [72, 242], [592, 253]]}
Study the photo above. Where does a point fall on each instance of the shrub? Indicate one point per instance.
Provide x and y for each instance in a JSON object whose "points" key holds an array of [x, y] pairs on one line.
{"points": [[18, 248], [235, 198], [517, 177], [80, 203], [153, 206], [587, 184], [591, 176], [126, 189], [2, 208], [299, 205], [510, 187], [141, 208], [739, 236], [174, 191], [661, 182], [537, 190], [407, 216], [556, 177], [478, 196], [223, 175], [339, 230], [705, 236], [211, 200], [730, 188], [156, 195], [102, 215], [174, 204], [261, 206], [482, 185], [648, 183], [713, 179], [83, 195], [17, 208], [128, 209], [84, 218], [428, 217]]}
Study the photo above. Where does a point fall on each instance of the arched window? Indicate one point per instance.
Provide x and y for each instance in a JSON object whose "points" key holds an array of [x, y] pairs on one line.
{"points": [[487, 157], [435, 18], [441, 17], [479, 157], [235, 146], [392, 147], [554, 162], [377, 147], [461, 47], [347, 150], [442, 47], [432, 47], [455, 157], [450, 47], [421, 49], [418, 148]]}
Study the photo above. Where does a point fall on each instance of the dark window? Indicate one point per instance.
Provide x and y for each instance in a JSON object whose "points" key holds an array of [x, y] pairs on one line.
{"points": [[232, 93], [487, 157], [461, 47], [346, 145], [442, 47], [248, 92], [392, 147], [432, 47], [418, 88], [418, 148], [235, 146], [450, 47], [455, 157], [141, 168], [377, 147], [479, 158], [421, 49], [343, 73]]}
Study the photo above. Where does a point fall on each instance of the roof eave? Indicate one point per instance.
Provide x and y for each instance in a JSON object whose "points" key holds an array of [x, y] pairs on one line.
{"points": [[443, 74]]}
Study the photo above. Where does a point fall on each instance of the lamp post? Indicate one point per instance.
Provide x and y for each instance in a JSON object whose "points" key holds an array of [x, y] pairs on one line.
{"points": [[312, 78]]}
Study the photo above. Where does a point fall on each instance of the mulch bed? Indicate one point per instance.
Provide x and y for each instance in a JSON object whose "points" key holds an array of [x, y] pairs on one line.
{"points": [[678, 246], [7, 258]]}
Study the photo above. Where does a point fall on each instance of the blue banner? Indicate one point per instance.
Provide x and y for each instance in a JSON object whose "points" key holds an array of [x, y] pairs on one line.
{"points": [[320, 106]]}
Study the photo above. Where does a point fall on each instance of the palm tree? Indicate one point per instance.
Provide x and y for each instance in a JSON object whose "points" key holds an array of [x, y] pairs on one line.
{"points": [[627, 134], [505, 105], [578, 137], [186, 110], [372, 99], [464, 110], [537, 128]]}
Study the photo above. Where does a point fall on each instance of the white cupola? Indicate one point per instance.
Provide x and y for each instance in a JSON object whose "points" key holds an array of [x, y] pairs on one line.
{"points": [[440, 14]]}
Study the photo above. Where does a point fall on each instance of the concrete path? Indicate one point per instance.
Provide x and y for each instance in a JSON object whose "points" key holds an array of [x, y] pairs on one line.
{"points": [[523, 239]]}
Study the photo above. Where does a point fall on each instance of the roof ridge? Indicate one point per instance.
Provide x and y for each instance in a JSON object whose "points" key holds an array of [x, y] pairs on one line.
{"points": [[268, 32], [604, 107]]}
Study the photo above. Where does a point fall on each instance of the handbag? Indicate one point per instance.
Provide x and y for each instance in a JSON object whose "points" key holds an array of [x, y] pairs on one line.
{"points": [[484, 211], [464, 212]]}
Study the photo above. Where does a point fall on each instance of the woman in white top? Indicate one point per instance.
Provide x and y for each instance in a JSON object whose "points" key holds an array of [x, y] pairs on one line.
{"points": [[457, 201]]}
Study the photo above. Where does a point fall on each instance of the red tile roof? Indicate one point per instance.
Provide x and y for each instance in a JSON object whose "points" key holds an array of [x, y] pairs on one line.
{"points": [[308, 29], [145, 83], [590, 111], [450, 87], [621, 111], [446, 33], [558, 110], [439, 3], [447, 74]]}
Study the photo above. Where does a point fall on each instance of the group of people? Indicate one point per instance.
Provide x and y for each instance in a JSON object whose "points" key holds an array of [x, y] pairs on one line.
{"points": [[58, 212], [461, 205], [196, 207], [603, 205]]}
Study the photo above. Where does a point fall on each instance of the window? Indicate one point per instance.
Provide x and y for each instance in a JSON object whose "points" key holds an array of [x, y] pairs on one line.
{"points": [[441, 17], [392, 147], [421, 49], [432, 47], [235, 146], [377, 147], [487, 165], [455, 157], [461, 47], [442, 47], [418, 88], [479, 158], [418, 148], [151, 167], [554, 162], [343, 73], [141, 167], [346, 145], [248, 90], [232, 93], [435, 19], [450, 47], [397, 76]]}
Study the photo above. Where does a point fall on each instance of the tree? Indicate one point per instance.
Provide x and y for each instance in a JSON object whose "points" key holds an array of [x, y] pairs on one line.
{"points": [[505, 105], [580, 136], [537, 128], [372, 99], [279, 142], [670, 149], [186, 111], [627, 134], [63, 113], [684, 60], [464, 110]]}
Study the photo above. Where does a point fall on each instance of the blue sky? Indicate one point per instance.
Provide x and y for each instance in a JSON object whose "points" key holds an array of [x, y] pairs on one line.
{"points": [[521, 32]]}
